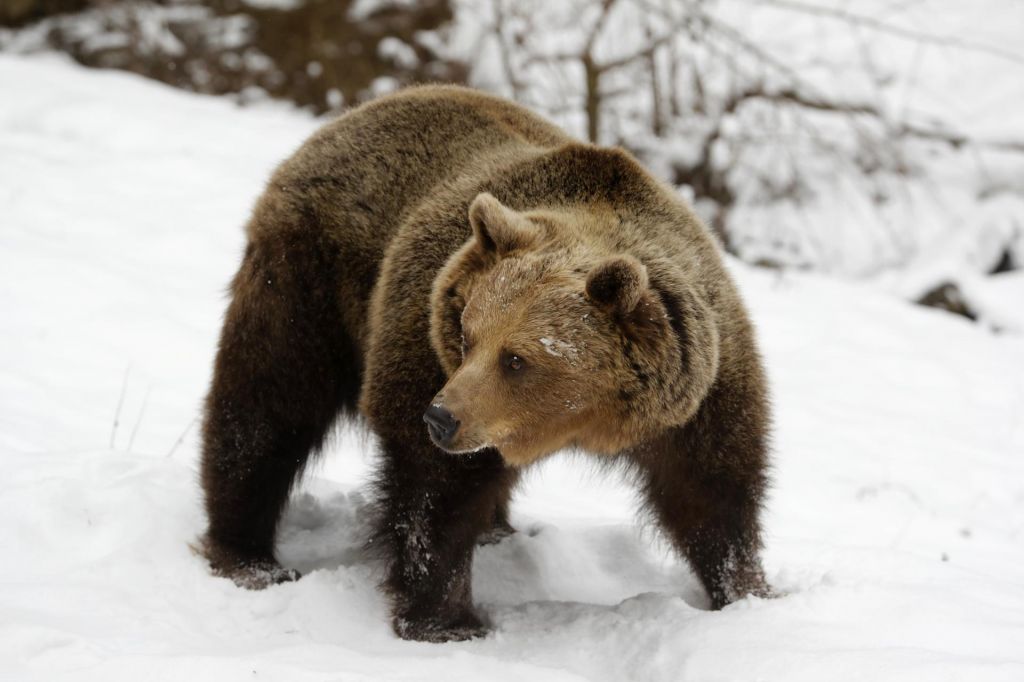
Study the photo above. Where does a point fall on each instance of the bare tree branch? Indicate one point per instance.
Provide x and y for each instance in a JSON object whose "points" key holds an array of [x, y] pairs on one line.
{"points": [[892, 29], [657, 106], [595, 31], [645, 53], [504, 52]]}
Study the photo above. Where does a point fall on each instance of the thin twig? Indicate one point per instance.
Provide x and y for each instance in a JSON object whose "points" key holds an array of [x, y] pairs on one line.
{"points": [[504, 52], [120, 404], [892, 29], [138, 422], [595, 31], [181, 438]]}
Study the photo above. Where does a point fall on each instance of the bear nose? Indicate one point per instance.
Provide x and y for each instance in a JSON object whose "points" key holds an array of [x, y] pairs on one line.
{"points": [[441, 423]]}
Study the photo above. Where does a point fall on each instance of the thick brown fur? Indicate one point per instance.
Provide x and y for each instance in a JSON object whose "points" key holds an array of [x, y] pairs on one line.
{"points": [[599, 316]]}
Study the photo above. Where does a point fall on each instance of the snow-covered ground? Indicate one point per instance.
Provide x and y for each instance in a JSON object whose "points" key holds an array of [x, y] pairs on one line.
{"points": [[895, 528]]}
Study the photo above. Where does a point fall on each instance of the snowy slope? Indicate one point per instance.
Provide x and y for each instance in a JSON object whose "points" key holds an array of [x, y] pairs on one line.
{"points": [[895, 527]]}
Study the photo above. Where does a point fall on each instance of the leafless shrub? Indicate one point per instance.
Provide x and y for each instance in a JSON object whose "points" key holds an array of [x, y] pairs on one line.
{"points": [[720, 114]]}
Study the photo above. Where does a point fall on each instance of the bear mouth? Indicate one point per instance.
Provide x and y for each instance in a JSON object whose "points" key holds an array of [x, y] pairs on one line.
{"points": [[451, 445], [436, 437]]}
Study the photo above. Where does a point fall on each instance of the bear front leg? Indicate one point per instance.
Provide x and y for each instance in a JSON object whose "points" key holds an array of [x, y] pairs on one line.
{"points": [[434, 507], [705, 483], [722, 544]]}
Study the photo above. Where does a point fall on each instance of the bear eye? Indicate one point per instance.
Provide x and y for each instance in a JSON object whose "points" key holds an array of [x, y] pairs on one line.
{"points": [[514, 363]]}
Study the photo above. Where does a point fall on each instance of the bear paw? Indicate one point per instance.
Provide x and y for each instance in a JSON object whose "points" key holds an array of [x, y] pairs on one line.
{"points": [[261, 574], [496, 533], [251, 573], [438, 630]]}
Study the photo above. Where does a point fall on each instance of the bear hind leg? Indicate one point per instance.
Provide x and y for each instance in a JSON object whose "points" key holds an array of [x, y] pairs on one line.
{"points": [[284, 370]]}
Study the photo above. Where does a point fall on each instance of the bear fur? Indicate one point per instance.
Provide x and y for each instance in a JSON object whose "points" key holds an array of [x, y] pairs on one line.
{"points": [[446, 251]]}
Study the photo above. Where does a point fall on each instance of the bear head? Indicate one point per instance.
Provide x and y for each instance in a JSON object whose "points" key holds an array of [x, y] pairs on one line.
{"points": [[552, 340]]}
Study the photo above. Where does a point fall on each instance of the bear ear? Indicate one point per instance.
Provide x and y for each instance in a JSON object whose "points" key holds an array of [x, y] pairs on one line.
{"points": [[497, 228], [617, 284]]}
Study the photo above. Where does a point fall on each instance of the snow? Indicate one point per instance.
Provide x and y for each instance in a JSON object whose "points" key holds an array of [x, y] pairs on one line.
{"points": [[273, 4], [999, 300], [364, 9], [558, 348], [894, 528], [398, 51]]}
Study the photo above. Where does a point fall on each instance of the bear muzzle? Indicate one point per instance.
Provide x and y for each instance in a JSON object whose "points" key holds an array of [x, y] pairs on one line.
{"points": [[441, 424]]}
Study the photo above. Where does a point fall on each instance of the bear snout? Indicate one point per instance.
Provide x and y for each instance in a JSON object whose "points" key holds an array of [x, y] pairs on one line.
{"points": [[441, 424]]}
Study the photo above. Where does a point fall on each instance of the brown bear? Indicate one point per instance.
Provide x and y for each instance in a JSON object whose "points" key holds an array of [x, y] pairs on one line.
{"points": [[446, 256]]}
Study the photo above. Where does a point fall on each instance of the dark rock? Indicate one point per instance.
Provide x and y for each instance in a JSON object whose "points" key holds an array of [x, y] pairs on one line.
{"points": [[947, 296]]}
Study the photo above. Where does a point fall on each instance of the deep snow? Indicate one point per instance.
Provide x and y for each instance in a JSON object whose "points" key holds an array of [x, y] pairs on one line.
{"points": [[894, 528]]}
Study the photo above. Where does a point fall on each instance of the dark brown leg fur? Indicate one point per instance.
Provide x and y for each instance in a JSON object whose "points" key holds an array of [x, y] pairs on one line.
{"points": [[704, 482], [435, 506], [500, 528], [283, 371]]}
